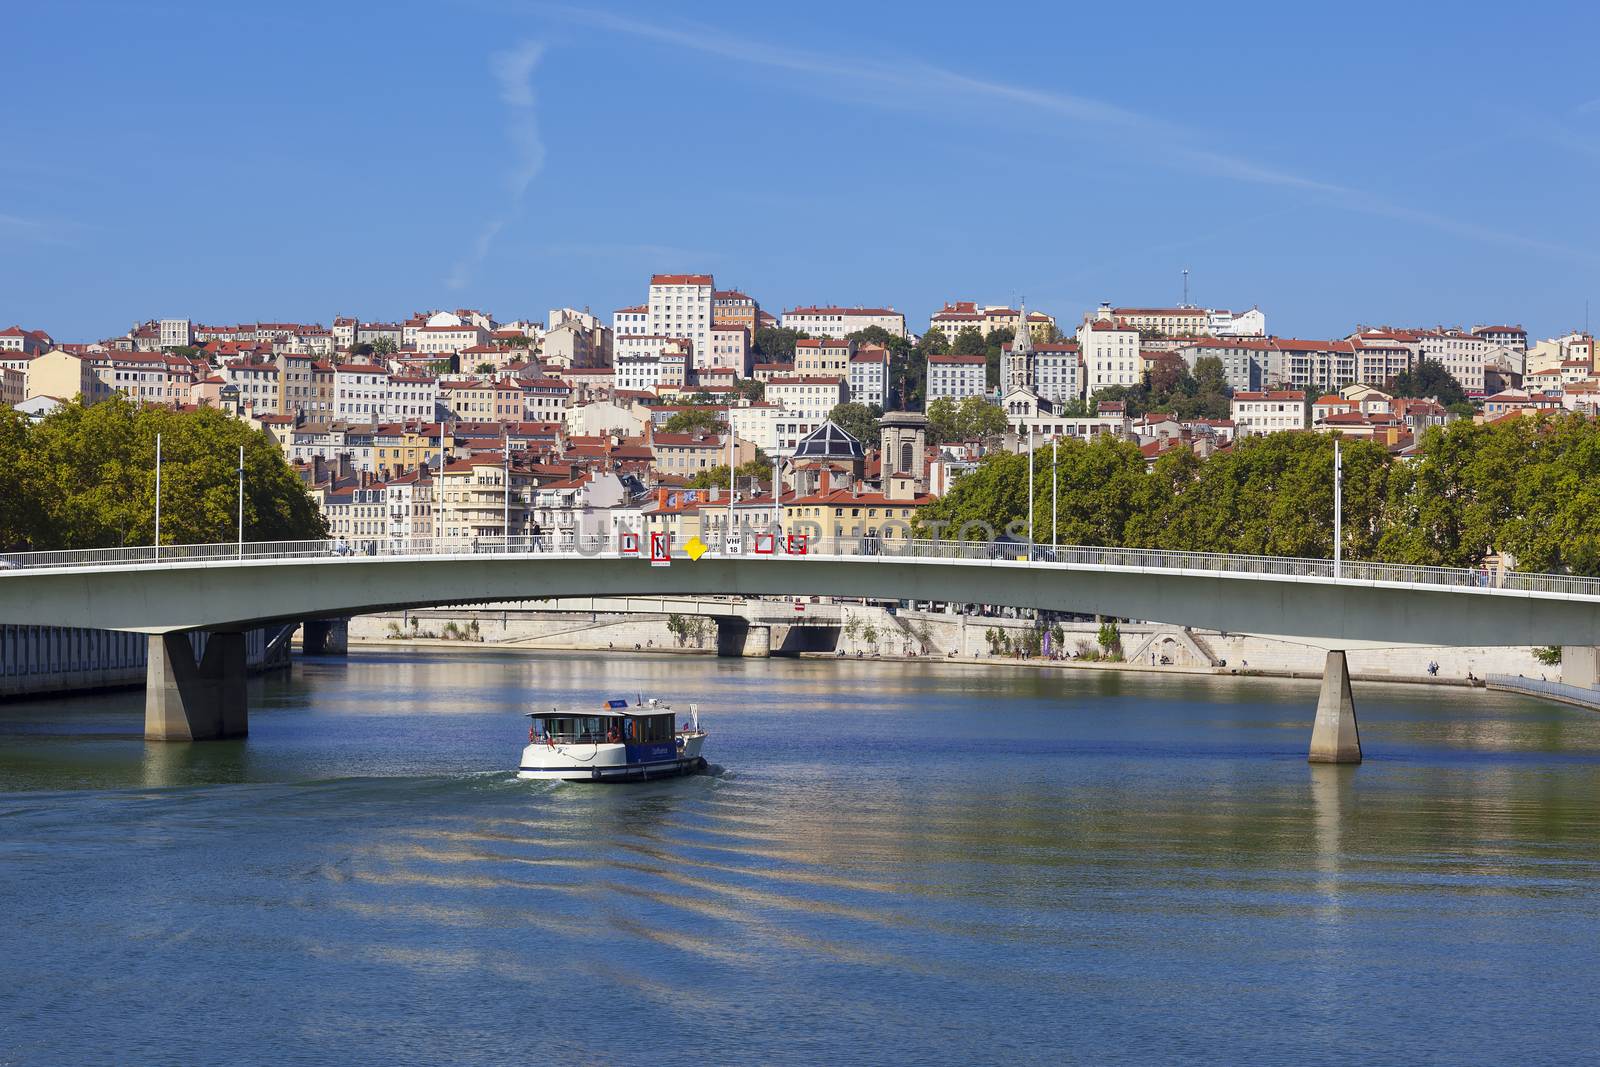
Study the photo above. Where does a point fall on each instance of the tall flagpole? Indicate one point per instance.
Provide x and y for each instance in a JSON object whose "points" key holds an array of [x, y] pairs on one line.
{"points": [[241, 501], [505, 508], [158, 496], [1055, 446], [728, 533]]}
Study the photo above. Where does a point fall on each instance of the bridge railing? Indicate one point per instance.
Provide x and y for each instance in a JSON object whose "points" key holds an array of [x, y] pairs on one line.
{"points": [[605, 546]]}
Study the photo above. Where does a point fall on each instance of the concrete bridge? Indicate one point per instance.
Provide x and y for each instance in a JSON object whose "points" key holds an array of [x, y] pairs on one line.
{"points": [[227, 589]]}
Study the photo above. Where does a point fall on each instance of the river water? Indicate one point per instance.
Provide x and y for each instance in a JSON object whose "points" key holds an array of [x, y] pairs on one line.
{"points": [[894, 863]]}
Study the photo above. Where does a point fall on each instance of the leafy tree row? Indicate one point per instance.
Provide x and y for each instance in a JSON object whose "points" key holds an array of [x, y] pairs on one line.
{"points": [[85, 477], [1528, 487]]}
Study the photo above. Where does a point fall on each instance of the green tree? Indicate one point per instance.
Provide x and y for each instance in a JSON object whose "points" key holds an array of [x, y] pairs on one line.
{"points": [[485, 368], [94, 469], [969, 342], [384, 346], [775, 344], [1428, 379], [751, 389], [973, 419], [717, 477], [694, 420], [858, 420], [994, 351]]}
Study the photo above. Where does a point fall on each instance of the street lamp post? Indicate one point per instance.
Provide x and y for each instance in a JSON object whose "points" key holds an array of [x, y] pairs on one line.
{"points": [[1030, 492], [1338, 511], [158, 496], [1055, 540]]}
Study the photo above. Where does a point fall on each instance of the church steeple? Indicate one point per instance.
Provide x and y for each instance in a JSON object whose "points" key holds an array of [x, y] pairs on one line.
{"points": [[1019, 361], [1022, 344]]}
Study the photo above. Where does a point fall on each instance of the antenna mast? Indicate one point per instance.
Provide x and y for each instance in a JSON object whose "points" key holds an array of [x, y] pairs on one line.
{"points": [[1186, 287]]}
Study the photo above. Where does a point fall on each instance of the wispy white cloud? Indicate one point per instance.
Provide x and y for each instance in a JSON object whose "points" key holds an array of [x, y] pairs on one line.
{"points": [[38, 231], [930, 88], [1588, 106], [513, 72]]}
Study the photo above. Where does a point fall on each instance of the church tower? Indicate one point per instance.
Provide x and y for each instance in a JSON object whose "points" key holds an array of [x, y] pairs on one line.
{"points": [[1018, 370]]}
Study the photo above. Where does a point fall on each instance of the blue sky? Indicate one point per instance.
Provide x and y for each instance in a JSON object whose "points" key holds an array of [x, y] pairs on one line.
{"points": [[1334, 164]]}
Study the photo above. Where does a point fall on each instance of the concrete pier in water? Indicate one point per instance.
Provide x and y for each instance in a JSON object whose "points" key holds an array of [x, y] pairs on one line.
{"points": [[189, 701], [1334, 737]]}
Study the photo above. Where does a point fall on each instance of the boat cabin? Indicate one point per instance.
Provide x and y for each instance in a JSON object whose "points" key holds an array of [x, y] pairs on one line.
{"points": [[643, 726]]}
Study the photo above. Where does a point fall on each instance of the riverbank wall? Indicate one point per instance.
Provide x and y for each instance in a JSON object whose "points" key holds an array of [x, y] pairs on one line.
{"points": [[50, 660], [867, 632]]}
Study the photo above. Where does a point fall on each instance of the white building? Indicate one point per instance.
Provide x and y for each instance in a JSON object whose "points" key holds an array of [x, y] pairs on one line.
{"points": [[956, 377], [1461, 354], [446, 339], [758, 423], [869, 375], [730, 350], [840, 322], [360, 392], [1268, 412], [1110, 352], [1223, 323], [680, 306], [409, 396], [807, 397], [176, 333]]}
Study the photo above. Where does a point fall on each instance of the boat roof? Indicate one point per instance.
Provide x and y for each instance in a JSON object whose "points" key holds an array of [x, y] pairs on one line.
{"points": [[610, 710]]}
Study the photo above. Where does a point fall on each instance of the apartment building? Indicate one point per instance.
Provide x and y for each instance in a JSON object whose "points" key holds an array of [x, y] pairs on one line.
{"points": [[1110, 352], [1268, 411], [956, 377], [869, 375], [839, 322]]}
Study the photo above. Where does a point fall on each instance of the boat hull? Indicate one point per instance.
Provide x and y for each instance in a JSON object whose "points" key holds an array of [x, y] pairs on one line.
{"points": [[617, 772]]}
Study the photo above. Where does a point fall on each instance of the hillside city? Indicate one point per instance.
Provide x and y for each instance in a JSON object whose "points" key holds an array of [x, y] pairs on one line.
{"points": [[455, 424]]}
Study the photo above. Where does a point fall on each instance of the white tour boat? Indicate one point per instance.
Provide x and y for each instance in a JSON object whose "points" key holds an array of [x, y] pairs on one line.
{"points": [[616, 742]]}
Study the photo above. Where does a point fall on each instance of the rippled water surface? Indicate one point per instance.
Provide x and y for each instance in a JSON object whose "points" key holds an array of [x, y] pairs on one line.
{"points": [[923, 863]]}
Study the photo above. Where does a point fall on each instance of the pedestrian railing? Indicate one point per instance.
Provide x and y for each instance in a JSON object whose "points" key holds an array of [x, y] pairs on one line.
{"points": [[1572, 694], [758, 545]]}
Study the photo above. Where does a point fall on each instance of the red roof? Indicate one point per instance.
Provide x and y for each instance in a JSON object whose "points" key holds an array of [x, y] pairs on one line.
{"points": [[965, 361], [814, 310], [680, 279], [1275, 394]]}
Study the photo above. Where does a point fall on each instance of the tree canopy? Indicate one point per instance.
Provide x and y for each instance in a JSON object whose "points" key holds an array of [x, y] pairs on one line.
{"points": [[1428, 379], [84, 477], [717, 477], [1171, 387], [858, 420], [1529, 487], [973, 419], [693, 420], [775, 344]]}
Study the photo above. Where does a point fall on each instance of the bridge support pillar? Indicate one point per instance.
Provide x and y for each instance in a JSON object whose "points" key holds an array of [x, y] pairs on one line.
{"points": [[189, 701], [1334, 737], [1580, 665], [737, 638], [325, 637]]}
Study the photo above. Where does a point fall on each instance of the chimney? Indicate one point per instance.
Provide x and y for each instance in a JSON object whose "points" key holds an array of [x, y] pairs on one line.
{"points": [[826, 486]]}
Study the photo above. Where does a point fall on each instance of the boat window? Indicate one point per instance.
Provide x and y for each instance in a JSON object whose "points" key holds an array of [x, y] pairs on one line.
{"points": [[647, 729], [573, 729]]}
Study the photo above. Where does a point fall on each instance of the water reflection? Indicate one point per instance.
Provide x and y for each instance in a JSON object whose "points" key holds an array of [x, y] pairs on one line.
{"points": [[891, 847]]}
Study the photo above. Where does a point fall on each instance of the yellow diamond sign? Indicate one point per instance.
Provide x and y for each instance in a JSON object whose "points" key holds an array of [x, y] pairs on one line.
{"points": [[696, 548]]}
